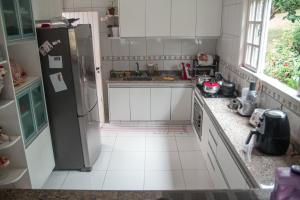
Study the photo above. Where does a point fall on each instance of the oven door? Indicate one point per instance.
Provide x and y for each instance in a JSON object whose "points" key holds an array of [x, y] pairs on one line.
{"points": [[198, 116]]}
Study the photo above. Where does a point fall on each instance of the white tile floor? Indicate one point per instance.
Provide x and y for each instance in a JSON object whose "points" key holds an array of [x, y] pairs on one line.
{"points": [[141, 158]]}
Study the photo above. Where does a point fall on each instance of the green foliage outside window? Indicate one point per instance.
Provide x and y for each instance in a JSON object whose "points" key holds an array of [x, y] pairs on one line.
{"points": [[283, 54]]}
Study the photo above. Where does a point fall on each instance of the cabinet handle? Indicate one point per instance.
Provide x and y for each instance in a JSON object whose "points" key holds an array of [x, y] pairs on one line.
{"points": [[209, 158], [212, 136]]}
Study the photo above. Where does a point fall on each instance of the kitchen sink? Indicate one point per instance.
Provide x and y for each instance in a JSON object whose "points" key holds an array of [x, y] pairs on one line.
{"points": [[138, 78]]}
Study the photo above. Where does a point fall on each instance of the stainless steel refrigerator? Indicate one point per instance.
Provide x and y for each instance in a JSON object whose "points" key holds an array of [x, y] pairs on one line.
{"points": [[67, 52]]}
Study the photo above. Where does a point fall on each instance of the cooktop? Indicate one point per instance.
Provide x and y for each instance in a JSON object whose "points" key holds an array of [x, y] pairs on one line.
{"points": [[217, 95]]}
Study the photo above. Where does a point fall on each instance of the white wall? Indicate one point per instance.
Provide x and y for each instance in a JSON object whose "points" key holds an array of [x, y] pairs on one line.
{"points": [[230, 49], [122, 54]]}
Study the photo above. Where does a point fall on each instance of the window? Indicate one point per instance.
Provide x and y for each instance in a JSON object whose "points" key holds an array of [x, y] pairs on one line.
{"points": [[272, 44]]}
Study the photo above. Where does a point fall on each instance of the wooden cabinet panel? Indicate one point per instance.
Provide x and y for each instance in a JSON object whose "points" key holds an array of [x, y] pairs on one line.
{"points": [[160, 103], [181, 104], [158, 20], [132, 18], [119, 104], [183, 18], [140, 104], [209, 16]]}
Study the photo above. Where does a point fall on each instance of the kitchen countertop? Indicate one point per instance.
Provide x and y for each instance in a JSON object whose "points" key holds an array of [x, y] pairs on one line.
{"points": [[156, 81], [235, 131], [150, 195]]}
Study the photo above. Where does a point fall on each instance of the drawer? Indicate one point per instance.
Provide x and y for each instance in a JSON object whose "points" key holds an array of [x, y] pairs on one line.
{"points": [[214, 170], [213, 138], [231, 171]]}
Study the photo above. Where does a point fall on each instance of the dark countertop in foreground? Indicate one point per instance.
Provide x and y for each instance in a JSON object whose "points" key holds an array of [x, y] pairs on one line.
{"points": [[235, 131], [154, 195]]}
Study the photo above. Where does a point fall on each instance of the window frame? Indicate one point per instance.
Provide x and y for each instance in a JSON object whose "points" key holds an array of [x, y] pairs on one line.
{"points": [[259, 70], [262, 44]]}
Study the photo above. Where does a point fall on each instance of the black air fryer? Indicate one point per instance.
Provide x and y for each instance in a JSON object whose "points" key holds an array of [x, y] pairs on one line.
{"points": [[273, 133]]}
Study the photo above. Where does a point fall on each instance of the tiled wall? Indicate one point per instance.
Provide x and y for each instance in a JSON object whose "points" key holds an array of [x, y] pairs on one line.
{"points": [[123, 54], [230, 50]]}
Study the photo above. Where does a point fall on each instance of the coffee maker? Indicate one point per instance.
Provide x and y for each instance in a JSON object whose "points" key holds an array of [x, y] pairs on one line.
{"points": [[272, 133]]}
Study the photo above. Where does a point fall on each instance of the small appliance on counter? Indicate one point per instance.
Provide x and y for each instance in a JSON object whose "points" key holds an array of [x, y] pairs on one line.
{"points": [[272, 133], [255, 118], [287, 184], [246, 104]]}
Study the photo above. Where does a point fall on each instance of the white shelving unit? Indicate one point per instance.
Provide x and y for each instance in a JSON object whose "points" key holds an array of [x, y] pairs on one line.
{"points": [[25, 170], [5, 103], [12, 141], [12, 176]]}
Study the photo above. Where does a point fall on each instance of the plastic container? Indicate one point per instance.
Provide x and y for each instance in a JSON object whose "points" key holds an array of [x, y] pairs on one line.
{"points": [[287, 185]]}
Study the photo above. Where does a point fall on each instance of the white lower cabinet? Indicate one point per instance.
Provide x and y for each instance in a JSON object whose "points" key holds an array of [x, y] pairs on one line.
{"points": [[160, 104], [119, 105], [230, 169], [150, 104], [40, 159], [223, 170], [181, 104], [140, 104]]}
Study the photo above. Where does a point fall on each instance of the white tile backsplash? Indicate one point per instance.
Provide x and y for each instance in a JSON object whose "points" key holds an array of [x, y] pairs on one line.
{"points": [[172, 47], [137, 47], [155, 47], [120, 47], [188, 47]]}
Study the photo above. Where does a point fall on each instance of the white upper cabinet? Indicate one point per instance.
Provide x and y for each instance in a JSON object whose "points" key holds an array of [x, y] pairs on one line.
{"points": [[46, 9], [183, 18], [140, 104], [181, 104], [158, 20], [209, 16], [132, 18]]}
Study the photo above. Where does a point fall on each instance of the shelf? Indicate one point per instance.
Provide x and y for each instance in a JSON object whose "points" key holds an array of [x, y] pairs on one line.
{"points": [[13, 140], [3, 62], [5, 103], [29, 81], [12, 176]]}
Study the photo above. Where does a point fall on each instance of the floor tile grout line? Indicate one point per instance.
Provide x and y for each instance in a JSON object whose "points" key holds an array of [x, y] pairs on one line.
{"points": [[64, 180], [111, 154], [182, 172]]}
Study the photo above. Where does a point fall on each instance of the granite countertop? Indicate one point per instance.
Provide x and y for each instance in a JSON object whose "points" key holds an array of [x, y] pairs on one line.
{"points": [[156, 80], [236, 130], [147, 195]]}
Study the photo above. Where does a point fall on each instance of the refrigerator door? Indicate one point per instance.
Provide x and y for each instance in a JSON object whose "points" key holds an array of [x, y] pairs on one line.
{"points": [[82, 57], [62, 106]]}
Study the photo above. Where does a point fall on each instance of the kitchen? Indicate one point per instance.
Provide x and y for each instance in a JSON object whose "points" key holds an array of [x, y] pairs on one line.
{"points": [[161, 125]]}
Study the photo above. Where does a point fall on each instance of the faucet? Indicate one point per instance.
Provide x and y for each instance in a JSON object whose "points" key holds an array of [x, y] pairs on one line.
{"points": [[137, 67]]}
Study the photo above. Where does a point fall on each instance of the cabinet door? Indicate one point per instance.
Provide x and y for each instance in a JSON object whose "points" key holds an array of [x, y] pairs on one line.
{"points": [[205, 132], [181, 104], [119, 104], [140, 104], [160, 104], [183, 19], [26, 17], [229, 168], [11, 20], [26, 116], [209, 15], [46, 9], [132, 18], [158, 21], [39, 108], [40, 159]]}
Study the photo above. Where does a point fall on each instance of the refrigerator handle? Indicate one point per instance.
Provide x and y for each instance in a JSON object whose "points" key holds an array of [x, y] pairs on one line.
{"points": [[82, 68]]}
